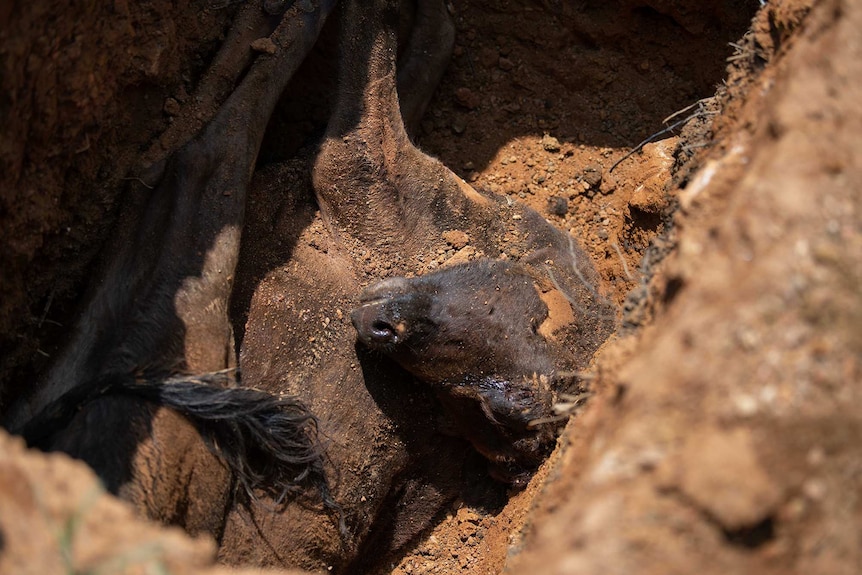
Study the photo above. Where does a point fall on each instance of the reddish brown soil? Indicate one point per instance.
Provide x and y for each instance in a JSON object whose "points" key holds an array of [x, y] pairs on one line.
{"points": [[723, 433]]}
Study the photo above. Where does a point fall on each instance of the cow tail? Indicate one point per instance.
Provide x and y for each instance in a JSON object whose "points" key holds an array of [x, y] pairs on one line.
{"points": [[269, 441]]}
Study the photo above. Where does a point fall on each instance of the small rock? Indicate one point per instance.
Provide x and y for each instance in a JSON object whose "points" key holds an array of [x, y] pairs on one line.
{"points": [[609, 185], [505, 64], [550, 143], [593, 176], [558, 205], [265, 45], [456, 238], [468, 516], [464, 255], [172, 107], [458, 127], [467, 98]]}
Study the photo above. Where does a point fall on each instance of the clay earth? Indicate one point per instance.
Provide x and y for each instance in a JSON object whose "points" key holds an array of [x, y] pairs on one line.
{"points": [[716, 431]]}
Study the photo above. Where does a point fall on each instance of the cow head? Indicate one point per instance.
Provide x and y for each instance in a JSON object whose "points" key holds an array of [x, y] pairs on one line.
{"points": [[471, 332]]}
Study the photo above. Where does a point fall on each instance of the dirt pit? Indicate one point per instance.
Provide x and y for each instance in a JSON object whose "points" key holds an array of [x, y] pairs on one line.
{"points": [[722, 431]]}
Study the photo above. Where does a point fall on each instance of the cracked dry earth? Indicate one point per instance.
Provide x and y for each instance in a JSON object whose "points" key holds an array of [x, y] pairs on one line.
{"points": [[722, 431]]}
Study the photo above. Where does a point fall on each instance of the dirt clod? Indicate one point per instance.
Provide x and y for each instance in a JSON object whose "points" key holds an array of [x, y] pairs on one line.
{"points": [[550, 143], [467, 98], [456, 238], [264, 45], [558, 206]]}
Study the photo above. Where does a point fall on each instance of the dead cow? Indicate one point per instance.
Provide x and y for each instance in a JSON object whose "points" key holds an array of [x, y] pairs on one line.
{"points": [[490, 340]]}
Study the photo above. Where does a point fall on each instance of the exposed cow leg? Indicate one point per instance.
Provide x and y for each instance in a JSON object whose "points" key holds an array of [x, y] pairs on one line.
{"points": [[424, 59], [234, 57], [161, 308], [376, 188]]}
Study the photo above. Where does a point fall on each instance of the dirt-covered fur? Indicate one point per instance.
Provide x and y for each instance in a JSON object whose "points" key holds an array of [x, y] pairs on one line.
{"points": [[161, 308]]}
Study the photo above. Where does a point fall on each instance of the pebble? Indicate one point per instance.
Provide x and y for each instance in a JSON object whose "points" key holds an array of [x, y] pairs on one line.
{"points": [[456, 238], [467, 98], [558, 205], [609, 185], [172, 107], [550, 143], [593, 176]]}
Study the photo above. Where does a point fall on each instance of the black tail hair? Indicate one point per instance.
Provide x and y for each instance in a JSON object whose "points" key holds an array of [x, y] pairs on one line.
{"points": [[270, 442]]}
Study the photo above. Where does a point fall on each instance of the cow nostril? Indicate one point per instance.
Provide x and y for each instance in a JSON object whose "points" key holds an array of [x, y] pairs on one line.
{"points": [[383, 332]]}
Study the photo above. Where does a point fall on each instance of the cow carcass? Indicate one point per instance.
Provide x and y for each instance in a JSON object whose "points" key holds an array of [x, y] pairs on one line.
{"points": [[369, 400]]}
